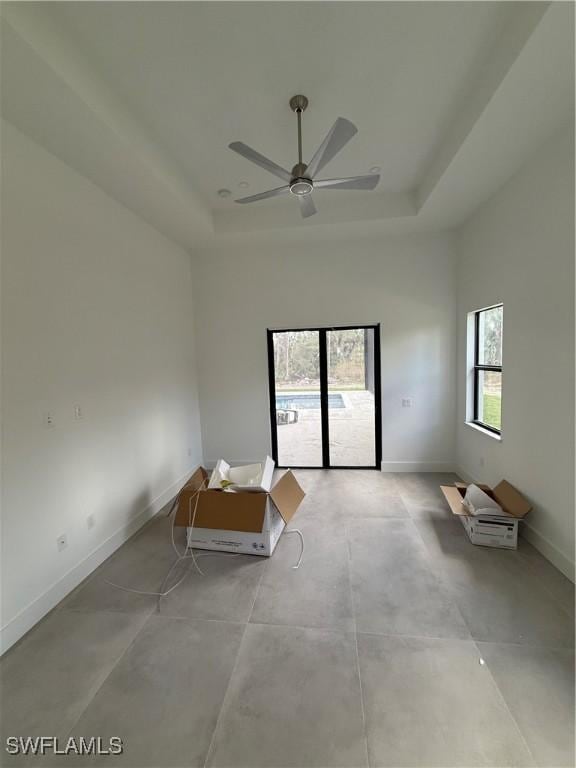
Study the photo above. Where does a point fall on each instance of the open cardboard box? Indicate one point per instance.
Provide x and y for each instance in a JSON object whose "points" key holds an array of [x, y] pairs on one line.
{"points": [[490, 530], [240, 521]]}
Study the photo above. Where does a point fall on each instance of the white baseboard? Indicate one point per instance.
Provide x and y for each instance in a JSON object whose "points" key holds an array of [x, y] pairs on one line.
{"points": [[540, 542], [417, 466], [38, 608], [550, 552]]}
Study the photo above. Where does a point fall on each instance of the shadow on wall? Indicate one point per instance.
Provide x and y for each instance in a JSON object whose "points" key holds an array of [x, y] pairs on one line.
{"points": [[128, 514], [141, 503], [418, 365]]}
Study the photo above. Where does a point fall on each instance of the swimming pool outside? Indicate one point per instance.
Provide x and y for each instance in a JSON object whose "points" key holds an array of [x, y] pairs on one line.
{"points": [[308, 401]]}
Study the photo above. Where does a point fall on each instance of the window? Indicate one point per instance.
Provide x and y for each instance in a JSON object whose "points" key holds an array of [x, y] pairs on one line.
{"points": [[487, 411]]}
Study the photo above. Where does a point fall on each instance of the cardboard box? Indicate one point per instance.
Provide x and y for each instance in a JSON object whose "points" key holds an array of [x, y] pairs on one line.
{"points": [[490, 530], [237, 521]]}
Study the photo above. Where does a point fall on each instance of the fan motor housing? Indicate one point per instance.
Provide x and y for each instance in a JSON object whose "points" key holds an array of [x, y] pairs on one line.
{"points": [[301, 186]]}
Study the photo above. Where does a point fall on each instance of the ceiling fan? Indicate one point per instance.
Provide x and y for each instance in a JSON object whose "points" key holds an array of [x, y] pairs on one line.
{"points": [[301, 181]]}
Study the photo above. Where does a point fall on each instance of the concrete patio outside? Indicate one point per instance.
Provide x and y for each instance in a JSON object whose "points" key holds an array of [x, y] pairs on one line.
{"points": [[351, 430]]}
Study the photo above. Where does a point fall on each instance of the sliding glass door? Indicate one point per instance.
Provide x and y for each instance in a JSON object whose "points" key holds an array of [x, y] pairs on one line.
{"points": [[351, 402], [325, 397], [297, 422]]}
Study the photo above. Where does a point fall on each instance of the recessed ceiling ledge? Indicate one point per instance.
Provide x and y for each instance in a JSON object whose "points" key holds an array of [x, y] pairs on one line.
{"points": [[479, 91], [368, 207], [38, 31]]}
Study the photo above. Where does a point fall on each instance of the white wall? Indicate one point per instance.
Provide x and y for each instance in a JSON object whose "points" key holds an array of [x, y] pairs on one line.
{"points": [[519, 249], [406, 284], [96, 312]]}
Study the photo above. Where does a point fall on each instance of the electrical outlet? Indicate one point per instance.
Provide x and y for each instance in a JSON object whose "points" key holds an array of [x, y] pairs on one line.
{"points": [[406, 402], [78, 413], [481, 461], [48, 420], [62, 542], [90, 521], [189, 452]]}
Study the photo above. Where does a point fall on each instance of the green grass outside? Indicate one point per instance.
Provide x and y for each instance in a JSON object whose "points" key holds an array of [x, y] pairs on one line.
{"points": [[492, 410]]}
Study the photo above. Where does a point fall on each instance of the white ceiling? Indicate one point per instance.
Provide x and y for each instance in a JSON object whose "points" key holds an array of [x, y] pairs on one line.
{"points": [[144, 98], [204, 74]]}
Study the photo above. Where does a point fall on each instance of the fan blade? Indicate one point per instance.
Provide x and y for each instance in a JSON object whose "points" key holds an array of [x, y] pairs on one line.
{"points": [[338, 136], [307, 207], [256, 157], [354, 182], [264, 195]]}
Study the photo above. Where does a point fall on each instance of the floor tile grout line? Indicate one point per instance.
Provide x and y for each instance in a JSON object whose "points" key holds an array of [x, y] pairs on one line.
{"points": [[326, 628], [443, 580], [505, 703], [257, 591], [448, 639], [362, 707], [336, 630], [110, 671], [309, 627], [226, 696], [532, 646], [471, 639]]}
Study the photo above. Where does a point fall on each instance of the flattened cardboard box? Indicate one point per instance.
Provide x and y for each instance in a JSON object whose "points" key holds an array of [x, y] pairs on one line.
{"points": [[244, 521], [490, 530]]}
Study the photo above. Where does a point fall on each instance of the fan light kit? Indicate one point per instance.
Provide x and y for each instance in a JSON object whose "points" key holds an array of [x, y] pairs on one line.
{"points": [[301, 181]]}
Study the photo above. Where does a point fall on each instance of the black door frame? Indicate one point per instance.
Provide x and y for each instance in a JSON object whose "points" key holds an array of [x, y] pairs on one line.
{"points": [[324, 415]]}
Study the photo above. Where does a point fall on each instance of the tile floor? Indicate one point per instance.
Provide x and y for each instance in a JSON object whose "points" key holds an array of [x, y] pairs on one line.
{"points": [[396, 643]]}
